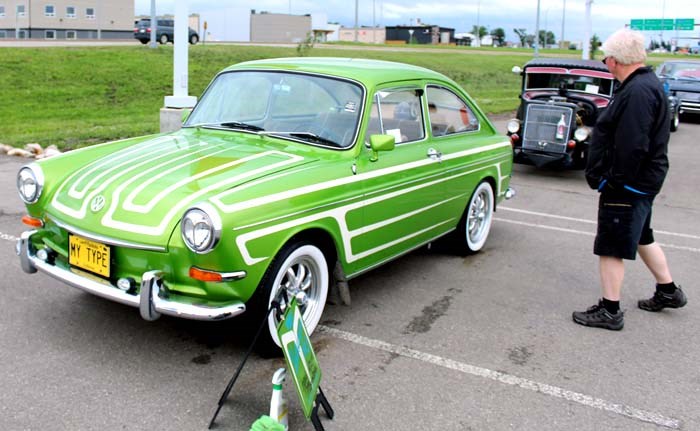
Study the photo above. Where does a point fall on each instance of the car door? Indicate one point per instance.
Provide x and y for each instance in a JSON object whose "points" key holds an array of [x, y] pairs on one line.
{"points": [[403, 200]]}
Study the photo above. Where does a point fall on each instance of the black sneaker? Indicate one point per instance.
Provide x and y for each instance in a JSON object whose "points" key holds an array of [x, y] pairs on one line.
{"points": [[662, 300], [598, 317]]}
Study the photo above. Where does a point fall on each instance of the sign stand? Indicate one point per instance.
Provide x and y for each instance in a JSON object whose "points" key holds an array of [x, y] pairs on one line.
{"points": [[321, 400], [274, 306]]}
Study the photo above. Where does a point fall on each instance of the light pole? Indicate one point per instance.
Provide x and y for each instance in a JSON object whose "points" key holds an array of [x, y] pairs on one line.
{"points": [[586, 53], [537, 30], [356, 19], [563, 19], [478, 29], [546, 20], [154, 25]]}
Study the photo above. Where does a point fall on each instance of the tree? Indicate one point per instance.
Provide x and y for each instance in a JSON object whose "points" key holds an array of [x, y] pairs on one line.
{"points": [[499, 35], [595, 44], [550, 39], [479, 32], [522, 34]]}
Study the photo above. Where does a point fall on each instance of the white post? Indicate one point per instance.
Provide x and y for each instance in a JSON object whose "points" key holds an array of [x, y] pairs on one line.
{"points": [[154, 25], [180, 99], [171, 114], [586, 54]]}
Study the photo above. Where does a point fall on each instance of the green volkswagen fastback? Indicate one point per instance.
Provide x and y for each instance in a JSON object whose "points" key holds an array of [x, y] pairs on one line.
{"points": [[288, 175]]}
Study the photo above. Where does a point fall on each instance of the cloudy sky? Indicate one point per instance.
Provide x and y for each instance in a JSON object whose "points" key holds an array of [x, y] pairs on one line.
{"points": [[607, 15]]}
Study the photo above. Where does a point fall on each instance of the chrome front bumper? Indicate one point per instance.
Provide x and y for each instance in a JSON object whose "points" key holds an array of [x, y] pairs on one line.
{"points": [[152, 301]]}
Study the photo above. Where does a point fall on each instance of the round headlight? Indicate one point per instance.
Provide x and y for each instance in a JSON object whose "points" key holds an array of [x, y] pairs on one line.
{"points": [[201, 228], [581, 134], [513, 126], [30, 182]]}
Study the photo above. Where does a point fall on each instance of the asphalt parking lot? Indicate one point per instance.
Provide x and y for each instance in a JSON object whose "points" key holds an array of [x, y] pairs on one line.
{"points": [[430, 342]]}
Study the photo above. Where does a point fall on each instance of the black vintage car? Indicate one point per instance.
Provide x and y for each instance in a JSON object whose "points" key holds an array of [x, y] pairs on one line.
{"points": [[560, 102], [681, 79]]}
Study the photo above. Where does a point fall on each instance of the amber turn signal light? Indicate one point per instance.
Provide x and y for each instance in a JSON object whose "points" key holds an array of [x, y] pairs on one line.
{"points": [[31, 221], [202, 275]]}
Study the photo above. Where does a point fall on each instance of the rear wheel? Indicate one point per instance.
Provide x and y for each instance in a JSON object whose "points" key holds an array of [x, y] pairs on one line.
{"points": [[474, 227], [194, 39], [302, 271]]}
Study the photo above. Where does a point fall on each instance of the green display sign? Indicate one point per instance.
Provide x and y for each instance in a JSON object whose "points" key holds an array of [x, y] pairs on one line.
{"points": [[663, 24], [300, 357], [637, 24], [685, 24]]}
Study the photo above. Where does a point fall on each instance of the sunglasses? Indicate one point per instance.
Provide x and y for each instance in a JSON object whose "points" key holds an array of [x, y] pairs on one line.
{"points": [[605, 60]]}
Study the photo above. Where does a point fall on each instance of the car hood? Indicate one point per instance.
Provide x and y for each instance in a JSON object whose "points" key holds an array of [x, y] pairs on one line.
{"points": [[684, 85], [137, 193]]}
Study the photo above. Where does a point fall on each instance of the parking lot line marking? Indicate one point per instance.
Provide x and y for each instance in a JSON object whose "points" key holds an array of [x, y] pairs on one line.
{"points": [[8, 237], [580, 232], [535, 213], [498, 376]]}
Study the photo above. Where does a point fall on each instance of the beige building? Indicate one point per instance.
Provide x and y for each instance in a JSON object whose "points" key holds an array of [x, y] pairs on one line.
{"points": [[276, 27], [67, 19], [364, 34]]}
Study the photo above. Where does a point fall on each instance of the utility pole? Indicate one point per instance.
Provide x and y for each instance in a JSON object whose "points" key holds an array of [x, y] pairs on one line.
{"points": [[478, 29]]}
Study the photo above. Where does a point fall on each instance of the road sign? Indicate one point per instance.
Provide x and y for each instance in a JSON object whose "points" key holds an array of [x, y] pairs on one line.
{"points": [[637, 24], [656, 24], [685, 24]]}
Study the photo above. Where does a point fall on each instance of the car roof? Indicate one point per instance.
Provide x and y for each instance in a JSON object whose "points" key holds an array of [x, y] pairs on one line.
{"points": [[682, 62], [370, 72], [568, 63]]}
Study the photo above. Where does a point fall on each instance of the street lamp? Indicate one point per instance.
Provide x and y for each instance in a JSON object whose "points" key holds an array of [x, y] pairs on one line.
{"points": [[563, 19]]}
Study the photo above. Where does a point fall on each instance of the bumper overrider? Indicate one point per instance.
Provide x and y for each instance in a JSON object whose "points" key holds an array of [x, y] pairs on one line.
{"points": [[152, 299]]}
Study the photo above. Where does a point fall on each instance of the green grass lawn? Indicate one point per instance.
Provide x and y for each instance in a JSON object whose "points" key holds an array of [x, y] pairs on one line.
{"points": [[74, 97]]}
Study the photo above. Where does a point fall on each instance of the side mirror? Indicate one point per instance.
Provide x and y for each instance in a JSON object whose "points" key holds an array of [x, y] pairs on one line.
{"points": [[516, 69], [186, 114], [379, 143]]}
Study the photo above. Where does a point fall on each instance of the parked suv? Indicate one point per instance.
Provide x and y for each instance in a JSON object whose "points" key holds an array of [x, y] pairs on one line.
{"points": [[164, 31]]}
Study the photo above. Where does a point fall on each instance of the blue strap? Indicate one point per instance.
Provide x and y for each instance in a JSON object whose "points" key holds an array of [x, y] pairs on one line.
{"points": [[602, 184], [633, 190]]}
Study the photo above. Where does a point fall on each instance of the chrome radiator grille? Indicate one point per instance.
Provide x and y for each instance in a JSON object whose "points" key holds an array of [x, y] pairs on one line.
{"points": [[540, 132]]}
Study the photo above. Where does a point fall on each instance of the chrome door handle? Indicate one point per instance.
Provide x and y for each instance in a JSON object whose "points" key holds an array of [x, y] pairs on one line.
{"points": [[435, 155]]}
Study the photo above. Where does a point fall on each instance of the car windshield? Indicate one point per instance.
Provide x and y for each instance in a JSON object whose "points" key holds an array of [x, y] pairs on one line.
{"points": [[690, 71], [585, 84], [309, 108]]}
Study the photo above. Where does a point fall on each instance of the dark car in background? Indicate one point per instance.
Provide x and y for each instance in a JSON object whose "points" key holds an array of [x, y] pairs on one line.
{"points": [[681, 78], [165, 31], [560, 100]]}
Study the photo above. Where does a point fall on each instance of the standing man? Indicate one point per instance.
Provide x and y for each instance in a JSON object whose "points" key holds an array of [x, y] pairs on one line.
{"points": [[627, 164]]}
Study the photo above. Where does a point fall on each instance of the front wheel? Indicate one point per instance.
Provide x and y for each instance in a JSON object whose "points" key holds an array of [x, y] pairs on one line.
{"points": [[302, 270], [675, 121], [194, 39], [474, 227], [163, 39]]}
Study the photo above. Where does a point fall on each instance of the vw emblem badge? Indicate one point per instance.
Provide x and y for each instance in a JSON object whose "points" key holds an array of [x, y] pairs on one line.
{"points": [[97, 203]]}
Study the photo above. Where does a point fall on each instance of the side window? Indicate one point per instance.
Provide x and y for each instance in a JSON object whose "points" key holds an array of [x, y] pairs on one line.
{"points": [[397, 113], [449, 113]]}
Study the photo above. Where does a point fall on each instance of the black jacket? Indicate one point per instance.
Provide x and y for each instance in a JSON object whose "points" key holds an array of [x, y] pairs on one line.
{"points": [[630, 139]]}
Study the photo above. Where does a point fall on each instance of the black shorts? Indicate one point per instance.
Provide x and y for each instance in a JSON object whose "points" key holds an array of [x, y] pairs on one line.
{"points": [[624, 221]]}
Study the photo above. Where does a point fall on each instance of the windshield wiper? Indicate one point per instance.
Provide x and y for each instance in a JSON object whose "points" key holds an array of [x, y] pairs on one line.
{"points": [[307, 136], [240, 125], [231, 125]]}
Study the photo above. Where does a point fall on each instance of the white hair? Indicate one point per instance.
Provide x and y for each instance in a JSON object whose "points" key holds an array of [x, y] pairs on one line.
{"points": [[626, 46]]}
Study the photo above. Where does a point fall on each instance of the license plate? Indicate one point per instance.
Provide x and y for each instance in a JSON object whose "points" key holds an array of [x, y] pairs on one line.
{"points": [[89, 255], [142, 31]]}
